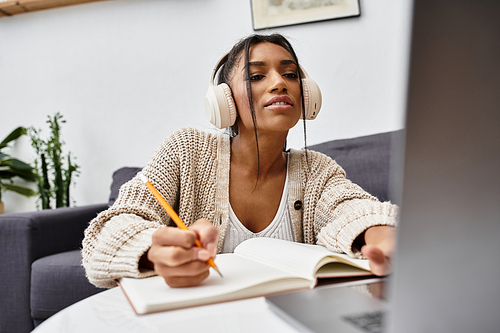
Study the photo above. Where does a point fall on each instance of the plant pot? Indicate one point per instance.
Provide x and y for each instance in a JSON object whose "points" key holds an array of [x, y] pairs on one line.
{"points": [[1, 207]]}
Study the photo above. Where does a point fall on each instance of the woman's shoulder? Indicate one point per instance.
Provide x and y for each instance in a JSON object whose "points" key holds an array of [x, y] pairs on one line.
{"points": [[315, 161], [193, 137], [193, 133], [312, 156]]}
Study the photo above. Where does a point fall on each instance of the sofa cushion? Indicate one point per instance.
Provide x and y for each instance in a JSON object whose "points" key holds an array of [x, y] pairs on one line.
{"points": [[58, 281], [120, 177], [366, 160]]}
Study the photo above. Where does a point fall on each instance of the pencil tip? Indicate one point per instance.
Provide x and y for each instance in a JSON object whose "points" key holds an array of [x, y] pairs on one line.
{"points": [[217, 270]]}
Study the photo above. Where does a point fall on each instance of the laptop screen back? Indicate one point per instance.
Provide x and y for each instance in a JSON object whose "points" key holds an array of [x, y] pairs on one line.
{"points": [[448, 264]]}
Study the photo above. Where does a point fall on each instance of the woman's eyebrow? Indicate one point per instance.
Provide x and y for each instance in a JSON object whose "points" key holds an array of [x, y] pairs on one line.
{"points": [[256, 63], [288, 62], [263, 63]]}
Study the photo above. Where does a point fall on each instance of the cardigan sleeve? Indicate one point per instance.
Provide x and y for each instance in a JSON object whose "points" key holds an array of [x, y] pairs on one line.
{"points": [[117, 238], [343, 210]]}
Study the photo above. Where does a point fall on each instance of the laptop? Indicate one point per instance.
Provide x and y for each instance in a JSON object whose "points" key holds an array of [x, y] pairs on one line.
{"points": [[446, 275]]}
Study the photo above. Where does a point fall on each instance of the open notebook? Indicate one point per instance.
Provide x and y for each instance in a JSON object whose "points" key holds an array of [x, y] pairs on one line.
{"points": [[258, 267]]}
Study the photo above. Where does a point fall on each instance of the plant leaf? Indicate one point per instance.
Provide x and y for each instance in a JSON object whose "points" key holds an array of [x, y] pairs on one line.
{"points": [[17, 164], [12, 136], [28, 175], [27, 192], [6, 174], [6, 163]]}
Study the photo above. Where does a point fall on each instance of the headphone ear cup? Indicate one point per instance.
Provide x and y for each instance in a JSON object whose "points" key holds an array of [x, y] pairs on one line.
{"points": [[312, 98], [220, 108]]}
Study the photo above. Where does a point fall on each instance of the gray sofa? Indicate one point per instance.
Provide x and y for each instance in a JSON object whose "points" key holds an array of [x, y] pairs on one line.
{"points": [[40, 251]]}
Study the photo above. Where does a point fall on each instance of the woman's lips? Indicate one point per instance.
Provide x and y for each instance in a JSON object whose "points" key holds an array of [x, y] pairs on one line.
{"points": [[280, 102]]}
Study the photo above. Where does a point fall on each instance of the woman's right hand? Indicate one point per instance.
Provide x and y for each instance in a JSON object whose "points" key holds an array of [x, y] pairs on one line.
{"points": [[176, 257]]}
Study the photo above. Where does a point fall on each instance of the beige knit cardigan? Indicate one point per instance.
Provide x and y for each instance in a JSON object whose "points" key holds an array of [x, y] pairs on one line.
{"points": [[191, 170]]}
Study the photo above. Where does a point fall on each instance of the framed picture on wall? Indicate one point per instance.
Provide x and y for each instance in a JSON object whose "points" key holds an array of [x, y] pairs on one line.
{"points": [[278, 13]]}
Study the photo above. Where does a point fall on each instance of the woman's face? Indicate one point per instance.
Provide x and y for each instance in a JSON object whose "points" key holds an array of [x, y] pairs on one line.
{"points": [[275, 86]]}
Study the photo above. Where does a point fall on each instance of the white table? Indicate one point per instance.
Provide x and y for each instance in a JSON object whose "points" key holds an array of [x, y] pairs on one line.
{"points": [[109, 311]]}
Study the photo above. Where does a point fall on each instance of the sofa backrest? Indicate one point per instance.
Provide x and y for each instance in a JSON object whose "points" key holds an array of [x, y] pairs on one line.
{"points": [[120, 177], [366, 160]]}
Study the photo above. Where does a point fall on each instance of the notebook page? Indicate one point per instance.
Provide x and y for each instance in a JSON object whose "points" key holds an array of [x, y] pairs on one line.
{"points": [[297, 258], [153, 294]]}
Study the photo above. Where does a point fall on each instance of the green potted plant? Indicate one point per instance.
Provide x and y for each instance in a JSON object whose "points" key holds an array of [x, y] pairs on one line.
{"points": [[54, 171], [10, 168]]}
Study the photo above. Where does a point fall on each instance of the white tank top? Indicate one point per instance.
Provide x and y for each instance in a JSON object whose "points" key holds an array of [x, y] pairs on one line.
{"points": [[281, 226]]}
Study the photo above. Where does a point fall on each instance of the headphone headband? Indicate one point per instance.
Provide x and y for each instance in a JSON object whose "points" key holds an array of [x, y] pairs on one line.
{"points": [[218, 65]]}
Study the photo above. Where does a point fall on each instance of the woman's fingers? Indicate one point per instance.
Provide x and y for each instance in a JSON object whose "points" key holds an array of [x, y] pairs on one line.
{"points": [[171, 236], [188, 274], [179, 267], [172, 255], [190, 269], [186, 281], [380, 244], [207, 234], [383, 237], [380, 264], [178, 259]]}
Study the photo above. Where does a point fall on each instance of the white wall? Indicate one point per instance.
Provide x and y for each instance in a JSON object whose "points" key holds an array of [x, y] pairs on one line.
{"points": [[126, 73]]}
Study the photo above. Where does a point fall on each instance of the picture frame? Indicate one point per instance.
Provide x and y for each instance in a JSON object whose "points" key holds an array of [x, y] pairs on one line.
{"points": [[278, 13]]}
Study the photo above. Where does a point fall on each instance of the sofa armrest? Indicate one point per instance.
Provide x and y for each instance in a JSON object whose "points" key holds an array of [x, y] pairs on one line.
{"points": [[47, 231], [26, 237]]}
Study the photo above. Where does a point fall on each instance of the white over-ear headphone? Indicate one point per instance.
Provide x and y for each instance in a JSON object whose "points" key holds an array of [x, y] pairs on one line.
{"points": [[221, 109]]}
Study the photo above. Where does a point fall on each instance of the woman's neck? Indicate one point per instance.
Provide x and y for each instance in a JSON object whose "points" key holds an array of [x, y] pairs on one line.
{"points": [[271, 158]]}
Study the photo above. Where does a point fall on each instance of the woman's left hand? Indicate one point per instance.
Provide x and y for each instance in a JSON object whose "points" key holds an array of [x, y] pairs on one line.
{"points": [[380, 245]]}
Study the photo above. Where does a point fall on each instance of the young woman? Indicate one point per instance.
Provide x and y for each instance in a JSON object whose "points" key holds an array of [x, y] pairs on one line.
{"points": [[228, 188]]}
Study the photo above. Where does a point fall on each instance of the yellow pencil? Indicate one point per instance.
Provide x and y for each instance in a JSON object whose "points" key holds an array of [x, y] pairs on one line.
{"points": [[173, 215]]}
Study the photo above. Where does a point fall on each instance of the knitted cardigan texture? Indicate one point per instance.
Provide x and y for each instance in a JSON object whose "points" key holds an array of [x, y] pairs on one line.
{"points": [[191, 170]]}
